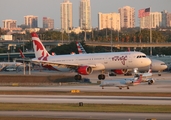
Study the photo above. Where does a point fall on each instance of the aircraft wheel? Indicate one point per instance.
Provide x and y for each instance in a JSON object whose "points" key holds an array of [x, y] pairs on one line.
{"points": [[101, 77], [127, 87], [78, 77]]}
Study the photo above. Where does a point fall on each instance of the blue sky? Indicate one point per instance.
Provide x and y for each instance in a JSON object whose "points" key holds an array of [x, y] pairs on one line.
{"points": [[17, 9]]}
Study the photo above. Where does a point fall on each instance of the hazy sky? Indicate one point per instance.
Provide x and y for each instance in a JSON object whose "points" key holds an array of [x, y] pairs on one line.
{"points": [[17, 9]]}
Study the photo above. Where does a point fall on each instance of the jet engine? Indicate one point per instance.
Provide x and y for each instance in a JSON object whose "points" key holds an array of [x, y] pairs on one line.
{"points": [[122, 71], [151, 81], [84, 70]]}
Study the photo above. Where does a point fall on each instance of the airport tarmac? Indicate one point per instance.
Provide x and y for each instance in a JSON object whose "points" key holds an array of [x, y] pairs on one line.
{"points": [[88, 115], [162, 84]]}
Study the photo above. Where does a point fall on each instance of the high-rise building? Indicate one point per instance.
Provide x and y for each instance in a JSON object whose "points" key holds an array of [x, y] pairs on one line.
{"points": [[153, 20], [31, 21], [9, 24], [48, 23], [169, 20], [109, 20], [85, 15], [164, 18], [127, 17], [66, 15]]}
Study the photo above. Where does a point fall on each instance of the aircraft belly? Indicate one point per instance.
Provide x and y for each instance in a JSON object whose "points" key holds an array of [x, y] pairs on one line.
{"points": [[62, 69]]}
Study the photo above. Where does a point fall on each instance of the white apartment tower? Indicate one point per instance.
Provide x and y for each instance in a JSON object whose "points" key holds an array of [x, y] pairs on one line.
{"points": [[31, 21], [153, 20], [109, 20], [127, 16], [66, 15], [85, 15], [9, 24]]}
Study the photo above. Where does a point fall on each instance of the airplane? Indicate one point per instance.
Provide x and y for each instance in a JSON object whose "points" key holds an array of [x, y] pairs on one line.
{"points": [[4, 65], [146, 77], [121, 83], [156, 65], [85, 64]]}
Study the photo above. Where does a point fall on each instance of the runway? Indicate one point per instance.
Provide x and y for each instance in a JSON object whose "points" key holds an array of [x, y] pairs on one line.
{"points": [[88, 115], [85, 99]]}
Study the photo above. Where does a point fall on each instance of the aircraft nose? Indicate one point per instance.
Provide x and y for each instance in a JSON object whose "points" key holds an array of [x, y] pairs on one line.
{"points": [[148, 61], [165, 67]]}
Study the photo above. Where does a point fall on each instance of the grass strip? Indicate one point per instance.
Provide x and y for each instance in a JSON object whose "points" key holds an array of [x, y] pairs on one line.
{"points": [[86, 107], [37, 118], [152, 94]]}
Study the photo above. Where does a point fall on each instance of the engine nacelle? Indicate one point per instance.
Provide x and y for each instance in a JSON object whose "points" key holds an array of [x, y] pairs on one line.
{"points": [[124, 71], [84, 70], [151, 81]]}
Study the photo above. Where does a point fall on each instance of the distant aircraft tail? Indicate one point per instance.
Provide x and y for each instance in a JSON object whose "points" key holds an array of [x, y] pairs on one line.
{"points": [[80, 48], [21, 53], [138, 81], [40, 52]]}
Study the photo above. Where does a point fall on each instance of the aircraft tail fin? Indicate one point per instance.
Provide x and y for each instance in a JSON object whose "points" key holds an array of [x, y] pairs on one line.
{"points": [[80, 48], [40, 52], [21, 53], [139, 80]]}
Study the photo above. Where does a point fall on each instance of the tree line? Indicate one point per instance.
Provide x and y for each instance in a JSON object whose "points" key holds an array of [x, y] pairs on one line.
{"points": [[105, 35]]}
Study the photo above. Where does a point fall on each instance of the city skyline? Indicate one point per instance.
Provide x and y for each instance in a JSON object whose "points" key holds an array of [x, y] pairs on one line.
{"points": [[51, 9]]}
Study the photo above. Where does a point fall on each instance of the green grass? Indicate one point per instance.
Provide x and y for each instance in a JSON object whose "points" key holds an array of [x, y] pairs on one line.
{"points": [[36, 118], [86, 107]]}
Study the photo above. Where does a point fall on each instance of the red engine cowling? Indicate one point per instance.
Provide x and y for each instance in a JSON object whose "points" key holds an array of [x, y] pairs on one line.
{"points": [[124, 71], [84, 70]]}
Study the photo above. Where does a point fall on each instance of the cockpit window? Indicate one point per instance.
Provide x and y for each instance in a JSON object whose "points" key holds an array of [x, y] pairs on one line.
{"points": [[163, 64], [141, 56]]}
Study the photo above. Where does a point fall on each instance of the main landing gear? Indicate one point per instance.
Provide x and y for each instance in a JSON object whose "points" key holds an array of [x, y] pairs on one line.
{"points": [[101, 77]]}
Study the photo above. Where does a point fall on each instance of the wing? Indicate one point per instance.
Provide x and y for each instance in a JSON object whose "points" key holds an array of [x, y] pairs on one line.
{"points": [[68, 65]]}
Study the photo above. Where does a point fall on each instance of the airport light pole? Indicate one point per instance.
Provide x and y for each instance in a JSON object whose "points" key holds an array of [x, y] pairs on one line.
{"points": [[62, 36], [68, 30], [85, 37], [106, 28], [118, 30], [111, 36]]}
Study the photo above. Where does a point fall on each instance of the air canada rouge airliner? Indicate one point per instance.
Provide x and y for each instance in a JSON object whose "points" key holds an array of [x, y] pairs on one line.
{"points": [[156, 65], [85, 64]]}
